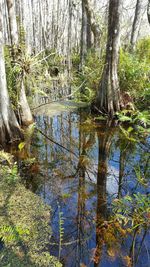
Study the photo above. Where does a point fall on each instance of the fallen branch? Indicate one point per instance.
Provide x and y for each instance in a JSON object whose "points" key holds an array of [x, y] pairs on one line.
{"points": [[47, 137]]}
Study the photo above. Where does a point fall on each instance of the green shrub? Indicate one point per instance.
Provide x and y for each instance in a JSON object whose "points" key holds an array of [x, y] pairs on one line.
{"points": [[89, 77], [134, 76], [143, 49]]}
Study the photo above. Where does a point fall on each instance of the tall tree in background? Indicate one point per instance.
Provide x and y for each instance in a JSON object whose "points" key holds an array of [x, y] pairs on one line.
{"points": [[83, 51], [9, 127], [69, 50], [12, 22], [108, 96], [92, 26], [148, 11], [136, 24]]}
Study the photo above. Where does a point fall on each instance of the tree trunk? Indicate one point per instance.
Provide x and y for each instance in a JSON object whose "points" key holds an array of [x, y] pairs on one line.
{"points": [[9, 127], [25, 109], [26, 115], [148, 11], [83, 51], [69, 50], [136, 24], [92, 26], [12, 22], [108, 96]]}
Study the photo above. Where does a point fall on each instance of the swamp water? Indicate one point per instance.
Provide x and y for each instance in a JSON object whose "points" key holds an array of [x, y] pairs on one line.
{"points": [[79, 179]]}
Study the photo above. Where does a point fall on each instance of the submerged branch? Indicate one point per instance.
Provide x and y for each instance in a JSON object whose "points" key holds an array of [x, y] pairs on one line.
{"points": [[56, 143]]}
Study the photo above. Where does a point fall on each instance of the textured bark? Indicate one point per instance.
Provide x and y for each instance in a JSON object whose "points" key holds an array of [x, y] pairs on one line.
{"points": [[148, 11], [69, 50], [25, 109], [9, 127], [92, 26], [136, 24], [26, 115], [83, 51], [108, 96], [12, 22]]}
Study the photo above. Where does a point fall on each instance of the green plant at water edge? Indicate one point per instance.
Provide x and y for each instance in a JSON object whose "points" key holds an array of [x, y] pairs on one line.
{"points": [[9, 169], [136, 117], [133, 215]]}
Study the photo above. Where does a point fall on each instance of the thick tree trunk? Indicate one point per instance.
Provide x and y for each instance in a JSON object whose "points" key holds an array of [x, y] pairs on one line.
{"points": [[136, 24], [9, 127], [12, 22], [148, 11], [25, 109], [26, 115], [108, 97]]}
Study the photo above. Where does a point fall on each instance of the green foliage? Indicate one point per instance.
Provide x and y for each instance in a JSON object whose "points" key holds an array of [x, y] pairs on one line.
{"points": [[5, 156], [132, 211], [53, 60], [141, 119], [32, 69], [75, 60], [8, 169], [12, 234], [143, 49], [90, 76], [135, 77]]}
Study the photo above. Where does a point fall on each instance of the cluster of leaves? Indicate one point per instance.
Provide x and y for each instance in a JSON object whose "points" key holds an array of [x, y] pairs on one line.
{"points": [[8, 169], [134, 73], [32, 69], [139, 123], [133, 211], [89, 77]]}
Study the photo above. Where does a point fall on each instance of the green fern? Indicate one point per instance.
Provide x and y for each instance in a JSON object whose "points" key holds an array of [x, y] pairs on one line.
{"points": [[61, 229]]}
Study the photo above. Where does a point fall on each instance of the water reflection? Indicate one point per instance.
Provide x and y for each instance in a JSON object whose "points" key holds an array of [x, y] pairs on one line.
{"points": [[81, 184]]}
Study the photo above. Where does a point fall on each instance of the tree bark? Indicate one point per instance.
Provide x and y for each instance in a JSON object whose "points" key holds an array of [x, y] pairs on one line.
{"points": [[25, 109], [83, 51], [12, 22], [108, 96], [148, 11], [92, 26], [9, 127], [136, 24], [26, 115]]}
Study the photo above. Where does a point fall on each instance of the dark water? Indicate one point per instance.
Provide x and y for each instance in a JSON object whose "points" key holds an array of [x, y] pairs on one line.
{"points": [[80, 183]]}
